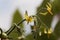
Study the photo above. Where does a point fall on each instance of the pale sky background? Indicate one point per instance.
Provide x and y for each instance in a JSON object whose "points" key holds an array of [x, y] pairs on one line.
{"points": [[7, 8]]}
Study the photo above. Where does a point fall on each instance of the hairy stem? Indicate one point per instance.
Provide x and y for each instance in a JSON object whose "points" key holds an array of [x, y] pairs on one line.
{"points": [[14, 26]]}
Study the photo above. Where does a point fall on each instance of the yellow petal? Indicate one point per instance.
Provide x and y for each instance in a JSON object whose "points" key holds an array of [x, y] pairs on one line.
{"points": [[44, 13], [50, 12], [49, 5], [49, 31], [45, 31], [49, 9], [30, 19], [26, 15]]}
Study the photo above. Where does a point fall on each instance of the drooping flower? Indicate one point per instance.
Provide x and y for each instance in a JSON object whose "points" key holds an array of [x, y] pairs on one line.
{"points": [[48, 32], [49, 8]]}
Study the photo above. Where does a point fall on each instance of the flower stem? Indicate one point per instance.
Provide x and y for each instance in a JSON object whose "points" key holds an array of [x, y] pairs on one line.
{"points": [[42, 21], [14, 26]]}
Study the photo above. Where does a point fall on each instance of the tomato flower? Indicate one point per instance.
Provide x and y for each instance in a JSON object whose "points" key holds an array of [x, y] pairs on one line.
{"points": [[49, 8], [28, 18], [48, 32]]}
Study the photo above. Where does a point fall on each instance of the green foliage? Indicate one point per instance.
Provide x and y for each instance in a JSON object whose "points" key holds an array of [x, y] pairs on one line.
{"points": [[29, 37], [16, 19], [48, 19], [56, 6]]}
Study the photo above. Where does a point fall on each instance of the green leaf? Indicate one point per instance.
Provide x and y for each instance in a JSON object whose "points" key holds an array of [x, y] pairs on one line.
{"points": [[16, 19]]}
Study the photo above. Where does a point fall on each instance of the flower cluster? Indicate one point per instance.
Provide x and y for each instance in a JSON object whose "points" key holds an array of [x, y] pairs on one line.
{"points": [[48, 8]]}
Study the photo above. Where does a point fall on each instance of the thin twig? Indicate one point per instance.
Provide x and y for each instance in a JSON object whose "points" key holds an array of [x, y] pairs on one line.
{"points": [[41, 21], [13, 27]]}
